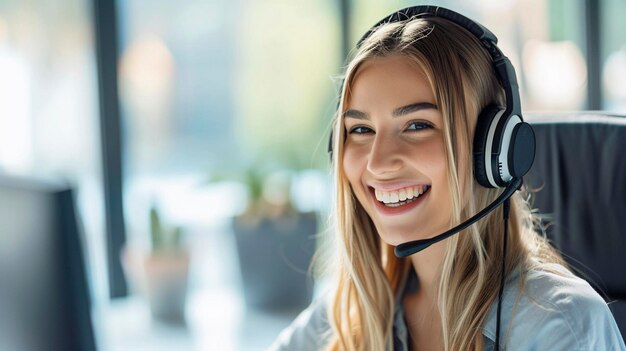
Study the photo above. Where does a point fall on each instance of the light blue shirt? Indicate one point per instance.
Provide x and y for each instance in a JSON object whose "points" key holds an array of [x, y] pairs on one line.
{"points": [[553, 312]]}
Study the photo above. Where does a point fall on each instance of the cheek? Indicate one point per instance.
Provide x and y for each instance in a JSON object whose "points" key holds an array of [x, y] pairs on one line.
{"points": [[433, 161], [353, 164], [434, 158]]}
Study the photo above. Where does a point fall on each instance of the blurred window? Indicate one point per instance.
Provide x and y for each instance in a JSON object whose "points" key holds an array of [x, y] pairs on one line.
{"points": [[213, 88], [49, 109]]}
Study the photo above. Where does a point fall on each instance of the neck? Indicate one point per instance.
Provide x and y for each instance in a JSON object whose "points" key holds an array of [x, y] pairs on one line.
{"points": [[427, 266], [422, 313]]}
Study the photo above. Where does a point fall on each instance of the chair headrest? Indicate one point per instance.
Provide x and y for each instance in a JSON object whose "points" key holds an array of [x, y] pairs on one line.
{"points": [[580, 171]]}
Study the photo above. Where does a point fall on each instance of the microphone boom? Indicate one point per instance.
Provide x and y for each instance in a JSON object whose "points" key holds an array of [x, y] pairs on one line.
{"points": [[415, 246]]}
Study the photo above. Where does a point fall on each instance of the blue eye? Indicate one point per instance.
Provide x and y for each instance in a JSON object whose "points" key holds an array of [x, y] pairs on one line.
{"points": [[360, 130], [419, 125]]}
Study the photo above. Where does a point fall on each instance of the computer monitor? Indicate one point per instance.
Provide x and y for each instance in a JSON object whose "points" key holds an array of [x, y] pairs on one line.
{"points": [[44, 300]]}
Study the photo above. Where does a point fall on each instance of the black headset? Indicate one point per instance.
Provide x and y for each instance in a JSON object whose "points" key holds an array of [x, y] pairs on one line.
{"points": [[504, 145]]}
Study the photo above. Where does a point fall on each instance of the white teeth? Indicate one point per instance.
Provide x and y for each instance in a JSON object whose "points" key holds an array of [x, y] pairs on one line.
{"points": [[392, 197], [385, 197], [410, 193], [402, 194]]}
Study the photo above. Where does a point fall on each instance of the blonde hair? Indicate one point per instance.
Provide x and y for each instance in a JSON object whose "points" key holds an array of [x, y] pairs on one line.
{"points": [[368, 275]]}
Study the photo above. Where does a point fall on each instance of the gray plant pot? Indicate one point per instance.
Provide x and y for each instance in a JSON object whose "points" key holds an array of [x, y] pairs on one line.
{"points": [[161, 277], [274, 257]]}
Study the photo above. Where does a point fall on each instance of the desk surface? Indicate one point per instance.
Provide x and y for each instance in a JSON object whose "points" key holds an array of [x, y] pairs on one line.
{"points": [[216, 320], [216, 315]]}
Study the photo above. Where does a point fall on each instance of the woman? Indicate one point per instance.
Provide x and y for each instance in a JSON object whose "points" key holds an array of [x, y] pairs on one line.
{"points": [[404, 159]]}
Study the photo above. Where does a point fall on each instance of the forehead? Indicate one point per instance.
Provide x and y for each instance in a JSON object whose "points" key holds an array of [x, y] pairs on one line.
{"points": [[388, 82]]}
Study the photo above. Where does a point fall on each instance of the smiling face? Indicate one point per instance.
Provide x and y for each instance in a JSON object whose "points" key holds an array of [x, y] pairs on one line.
{"points": [[394, 153]]}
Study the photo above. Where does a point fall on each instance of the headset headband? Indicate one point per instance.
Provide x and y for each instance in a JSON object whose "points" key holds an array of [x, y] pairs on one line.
{"points": [[476, 29]]}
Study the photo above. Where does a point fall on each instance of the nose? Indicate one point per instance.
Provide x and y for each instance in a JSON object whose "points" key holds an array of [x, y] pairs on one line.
{"points": [[384, 156]]}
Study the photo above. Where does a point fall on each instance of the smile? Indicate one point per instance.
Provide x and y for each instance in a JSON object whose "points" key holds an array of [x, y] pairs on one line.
{"points": [[399, 201], [400, 197]]}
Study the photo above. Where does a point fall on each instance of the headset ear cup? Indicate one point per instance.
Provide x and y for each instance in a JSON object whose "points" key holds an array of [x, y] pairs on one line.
{"points": [[522, 153], [485, 119]]}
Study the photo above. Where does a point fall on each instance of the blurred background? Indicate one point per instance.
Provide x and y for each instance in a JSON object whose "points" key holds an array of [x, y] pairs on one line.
{"points": [[194, 137]]}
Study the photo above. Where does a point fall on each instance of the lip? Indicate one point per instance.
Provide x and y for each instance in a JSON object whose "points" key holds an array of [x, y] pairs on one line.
{"points": [[391, 211]]}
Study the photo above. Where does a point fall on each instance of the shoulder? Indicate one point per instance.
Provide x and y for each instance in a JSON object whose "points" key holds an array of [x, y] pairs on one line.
{"points": [[553, 309], [309, 331]]}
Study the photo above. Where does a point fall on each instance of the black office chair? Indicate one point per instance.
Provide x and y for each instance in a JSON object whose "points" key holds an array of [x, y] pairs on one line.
{"points": [[580, 168]]}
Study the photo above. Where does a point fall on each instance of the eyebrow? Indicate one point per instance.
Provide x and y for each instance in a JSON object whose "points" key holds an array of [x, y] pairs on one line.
{"points": [[400, 111]]}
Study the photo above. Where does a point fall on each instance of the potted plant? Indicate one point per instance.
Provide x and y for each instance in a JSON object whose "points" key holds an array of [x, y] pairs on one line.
{"points": [[275, 244], [161, 274]]}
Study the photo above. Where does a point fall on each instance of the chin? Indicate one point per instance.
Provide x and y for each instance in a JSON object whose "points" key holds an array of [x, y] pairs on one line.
{"points": [[397, 236]]}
